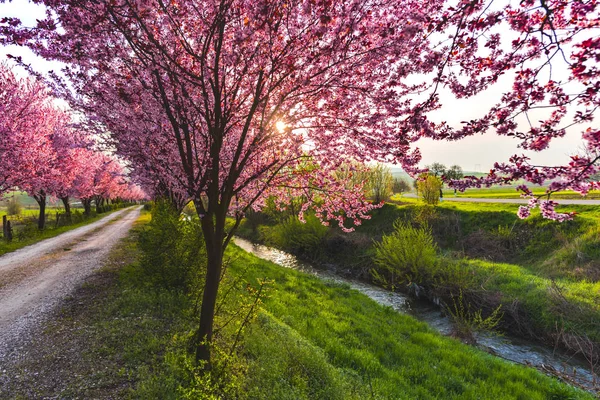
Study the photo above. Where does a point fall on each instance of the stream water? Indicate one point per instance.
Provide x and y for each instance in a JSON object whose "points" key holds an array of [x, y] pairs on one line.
{"points": [[511, 348]]}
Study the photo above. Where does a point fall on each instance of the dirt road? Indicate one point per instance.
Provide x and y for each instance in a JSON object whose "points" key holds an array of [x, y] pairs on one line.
{"points": [[34, 279]]}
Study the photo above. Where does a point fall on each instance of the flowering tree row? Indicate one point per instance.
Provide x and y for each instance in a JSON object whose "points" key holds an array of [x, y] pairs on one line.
{"points": [[42, 154], [226, 102]]}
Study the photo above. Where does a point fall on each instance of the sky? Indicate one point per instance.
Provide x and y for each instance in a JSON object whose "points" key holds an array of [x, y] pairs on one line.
{"points": [[476, 154]]}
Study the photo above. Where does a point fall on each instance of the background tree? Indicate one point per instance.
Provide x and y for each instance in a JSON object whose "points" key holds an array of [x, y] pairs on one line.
{"points": [[437, 169], [455, 173], [380, 183], [26, 126], [400, 185]]}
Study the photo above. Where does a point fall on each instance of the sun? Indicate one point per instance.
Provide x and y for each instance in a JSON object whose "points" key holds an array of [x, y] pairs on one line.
{"points": [[280, 125]]}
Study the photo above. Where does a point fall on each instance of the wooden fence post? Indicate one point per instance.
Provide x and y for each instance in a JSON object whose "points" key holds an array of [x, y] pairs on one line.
{"points": [[9, 232], [6, 229]]}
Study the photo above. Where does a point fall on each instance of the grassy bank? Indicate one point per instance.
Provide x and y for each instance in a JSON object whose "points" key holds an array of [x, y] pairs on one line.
{"points": [[366, 350], [122, 336], [544, 275]]}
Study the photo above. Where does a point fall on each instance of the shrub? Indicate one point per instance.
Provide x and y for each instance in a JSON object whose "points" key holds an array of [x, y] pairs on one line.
{"points": [[172, 249], [27, 231], [14, 207], [430, 187], [409, 254], [304, 239]]}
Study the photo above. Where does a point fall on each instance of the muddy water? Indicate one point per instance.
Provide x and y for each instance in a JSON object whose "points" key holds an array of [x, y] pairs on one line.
{"points": [[510, 348]]}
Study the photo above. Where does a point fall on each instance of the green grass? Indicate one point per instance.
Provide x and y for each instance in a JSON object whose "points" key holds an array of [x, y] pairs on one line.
{"points": [[546, 274], [512, 193], [32, 212]]}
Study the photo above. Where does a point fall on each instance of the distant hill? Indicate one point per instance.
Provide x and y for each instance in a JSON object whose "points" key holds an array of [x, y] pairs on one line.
{"points": [[399, 173]]}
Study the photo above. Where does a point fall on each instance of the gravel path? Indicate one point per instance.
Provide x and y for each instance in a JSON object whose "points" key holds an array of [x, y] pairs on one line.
{"points": [[513, 201], [35, 279]]}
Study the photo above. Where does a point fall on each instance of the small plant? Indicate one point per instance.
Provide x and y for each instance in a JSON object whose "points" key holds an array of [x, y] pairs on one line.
{"points": [[14, 207], [506, 235], [468, 321], [27, 231]]}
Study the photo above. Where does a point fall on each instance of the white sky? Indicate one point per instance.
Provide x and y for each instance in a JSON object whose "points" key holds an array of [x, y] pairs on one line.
{"points": [[476, 153]]}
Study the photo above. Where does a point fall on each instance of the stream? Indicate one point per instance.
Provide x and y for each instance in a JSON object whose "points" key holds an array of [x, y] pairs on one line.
{"points": [[521, 351]]}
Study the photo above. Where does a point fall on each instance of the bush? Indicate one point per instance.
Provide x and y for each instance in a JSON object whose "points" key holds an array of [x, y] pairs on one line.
{"points": [[409, 254], [430, 188], [172, 250], [27, 231], [14, 207], [304, 239]]}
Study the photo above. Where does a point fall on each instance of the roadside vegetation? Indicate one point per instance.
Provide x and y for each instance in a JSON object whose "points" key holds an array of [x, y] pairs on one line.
{"points": [[535, 278], [24, 221], [281, 334]]}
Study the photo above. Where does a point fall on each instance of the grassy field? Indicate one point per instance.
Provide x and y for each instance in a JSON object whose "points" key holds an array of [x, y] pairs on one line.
{"points": [[365, 350], [309, 339], [512, 193]]}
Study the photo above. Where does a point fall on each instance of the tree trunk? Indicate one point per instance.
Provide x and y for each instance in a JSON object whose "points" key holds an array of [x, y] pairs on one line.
{"points": [[87, 206], [40, 198], [65, 201], [213, 230]]}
